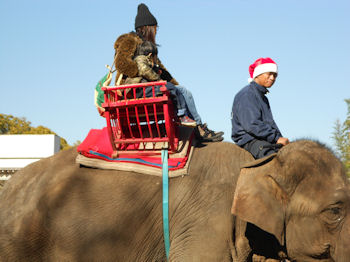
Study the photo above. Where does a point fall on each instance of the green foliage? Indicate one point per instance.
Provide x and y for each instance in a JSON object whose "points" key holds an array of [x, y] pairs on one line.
{"points": [[77, 143], [341, 136], [15, 125]]}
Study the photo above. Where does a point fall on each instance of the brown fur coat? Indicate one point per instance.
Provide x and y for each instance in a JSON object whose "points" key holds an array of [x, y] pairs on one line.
{"points": [[125, 47]]}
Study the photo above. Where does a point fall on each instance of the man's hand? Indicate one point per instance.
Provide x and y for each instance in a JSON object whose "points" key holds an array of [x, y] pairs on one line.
{"points": [[283, 140]]}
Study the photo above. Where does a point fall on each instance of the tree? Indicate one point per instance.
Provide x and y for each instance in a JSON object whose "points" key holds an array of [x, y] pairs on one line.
{"points": [[341, 136], [15, 125]]}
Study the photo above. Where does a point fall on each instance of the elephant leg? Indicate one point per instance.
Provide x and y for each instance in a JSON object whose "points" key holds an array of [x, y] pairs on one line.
{"points": [[247, 236], [241, 250], [258, 258], [205, 239], [200, 250]]}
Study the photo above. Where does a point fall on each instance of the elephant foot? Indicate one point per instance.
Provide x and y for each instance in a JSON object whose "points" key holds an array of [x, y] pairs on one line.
{"points": [[257, 258]]}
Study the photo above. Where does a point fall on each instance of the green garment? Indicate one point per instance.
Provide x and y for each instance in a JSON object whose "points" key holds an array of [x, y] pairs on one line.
{"points": [[99, 94]]}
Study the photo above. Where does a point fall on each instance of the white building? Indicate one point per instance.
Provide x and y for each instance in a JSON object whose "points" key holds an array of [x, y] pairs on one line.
{"points": [[17, 151]]}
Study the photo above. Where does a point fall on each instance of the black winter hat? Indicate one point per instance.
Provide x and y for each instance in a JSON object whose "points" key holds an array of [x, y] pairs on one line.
{"points": [[144, 17]]}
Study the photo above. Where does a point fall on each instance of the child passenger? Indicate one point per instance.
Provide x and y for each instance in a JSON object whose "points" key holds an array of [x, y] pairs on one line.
{"points": [[145, 57]]}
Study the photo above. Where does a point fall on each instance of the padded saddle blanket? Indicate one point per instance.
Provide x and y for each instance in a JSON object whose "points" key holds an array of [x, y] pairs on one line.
{"points": [[96, 151]]}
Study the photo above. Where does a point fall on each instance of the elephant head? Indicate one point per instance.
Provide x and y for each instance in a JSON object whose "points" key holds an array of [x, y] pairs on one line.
{"points": [[301, 196]]}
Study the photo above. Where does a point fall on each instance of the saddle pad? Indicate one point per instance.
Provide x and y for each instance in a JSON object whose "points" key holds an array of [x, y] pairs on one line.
{"points": [[96, 151]]}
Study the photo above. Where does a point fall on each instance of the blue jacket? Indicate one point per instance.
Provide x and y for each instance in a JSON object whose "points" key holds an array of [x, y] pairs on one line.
{"points": [[252, 117]]}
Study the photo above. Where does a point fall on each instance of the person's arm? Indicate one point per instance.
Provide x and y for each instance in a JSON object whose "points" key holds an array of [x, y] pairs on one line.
{"points": [[165, 74], [145, 70], [250, 118]]}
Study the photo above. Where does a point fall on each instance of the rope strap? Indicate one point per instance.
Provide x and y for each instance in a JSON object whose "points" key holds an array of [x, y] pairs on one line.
{"points": [[165, 201]]}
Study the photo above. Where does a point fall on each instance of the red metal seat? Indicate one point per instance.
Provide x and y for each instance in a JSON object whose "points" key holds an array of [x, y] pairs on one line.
{"points": [[137, 125]]}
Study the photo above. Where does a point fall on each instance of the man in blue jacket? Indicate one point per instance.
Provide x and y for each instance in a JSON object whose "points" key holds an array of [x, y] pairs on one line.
{"points": [[253, 127]]}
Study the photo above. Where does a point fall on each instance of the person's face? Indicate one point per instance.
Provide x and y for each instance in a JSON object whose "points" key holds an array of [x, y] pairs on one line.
{"points": [[266, 79]]}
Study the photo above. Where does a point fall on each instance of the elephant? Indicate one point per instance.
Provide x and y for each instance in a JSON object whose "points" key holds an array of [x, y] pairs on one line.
{"points": [[290, 206]]}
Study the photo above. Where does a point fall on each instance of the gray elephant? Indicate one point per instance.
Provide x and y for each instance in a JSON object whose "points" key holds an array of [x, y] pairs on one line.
{"points": [[294, 206]]}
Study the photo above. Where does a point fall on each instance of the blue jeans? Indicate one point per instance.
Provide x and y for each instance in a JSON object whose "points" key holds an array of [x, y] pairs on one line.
{"points": [[177, 97], [183, 99], [190, 105]]}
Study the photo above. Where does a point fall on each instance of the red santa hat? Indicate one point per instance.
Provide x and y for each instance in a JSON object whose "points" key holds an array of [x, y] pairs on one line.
{"points": [[260, 66]]}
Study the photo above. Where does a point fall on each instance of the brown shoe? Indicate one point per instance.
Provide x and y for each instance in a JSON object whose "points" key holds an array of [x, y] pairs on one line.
{"points": [[207, 135]]}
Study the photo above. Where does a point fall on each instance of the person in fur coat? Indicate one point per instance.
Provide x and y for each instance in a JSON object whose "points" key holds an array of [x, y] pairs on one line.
{"points": [[125, 47]]}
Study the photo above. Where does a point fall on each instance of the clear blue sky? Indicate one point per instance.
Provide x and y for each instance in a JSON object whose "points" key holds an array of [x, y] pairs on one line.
{"points": [[52, 53]]}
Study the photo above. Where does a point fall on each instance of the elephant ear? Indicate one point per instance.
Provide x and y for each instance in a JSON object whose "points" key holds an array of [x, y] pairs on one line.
{"points": [[259, 199]]}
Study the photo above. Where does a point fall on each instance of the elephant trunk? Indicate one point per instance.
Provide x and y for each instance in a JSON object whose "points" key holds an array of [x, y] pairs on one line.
{"points": [[342, 250]]}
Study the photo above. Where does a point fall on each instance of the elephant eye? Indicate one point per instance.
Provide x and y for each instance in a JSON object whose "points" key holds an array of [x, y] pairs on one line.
{"points": [[335, 210], [333, 215]]}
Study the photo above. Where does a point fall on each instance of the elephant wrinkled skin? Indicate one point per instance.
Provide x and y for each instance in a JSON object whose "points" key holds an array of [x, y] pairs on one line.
{"points": [[294, 205]]}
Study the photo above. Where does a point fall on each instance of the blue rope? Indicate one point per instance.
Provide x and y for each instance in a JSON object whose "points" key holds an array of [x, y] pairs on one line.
{"points": [[165, 202]]}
